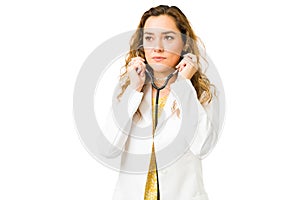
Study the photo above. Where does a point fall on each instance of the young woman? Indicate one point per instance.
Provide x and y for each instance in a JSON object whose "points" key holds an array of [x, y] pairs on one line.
{"points": [[167, 157]]}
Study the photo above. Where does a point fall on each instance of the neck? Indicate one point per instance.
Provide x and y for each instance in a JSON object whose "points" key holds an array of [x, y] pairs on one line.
{"points": [[161, 81], [162, 75]]}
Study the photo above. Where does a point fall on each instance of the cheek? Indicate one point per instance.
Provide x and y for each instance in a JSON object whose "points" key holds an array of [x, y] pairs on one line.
{"points": [[173, 60], [174, 47], [147, 54]]}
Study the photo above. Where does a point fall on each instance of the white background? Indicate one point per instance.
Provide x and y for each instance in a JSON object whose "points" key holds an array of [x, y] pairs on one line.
{"points": [[254, 45]]}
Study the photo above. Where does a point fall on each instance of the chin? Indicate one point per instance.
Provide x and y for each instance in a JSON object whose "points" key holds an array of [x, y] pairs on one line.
{"points": [[160, 66]]}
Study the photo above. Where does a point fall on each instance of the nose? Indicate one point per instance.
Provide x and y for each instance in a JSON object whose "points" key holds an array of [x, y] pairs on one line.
{"points": [[158, 46]]}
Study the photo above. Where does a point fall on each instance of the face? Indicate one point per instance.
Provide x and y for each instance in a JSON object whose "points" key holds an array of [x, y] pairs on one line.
{"points": [[162, 43]]}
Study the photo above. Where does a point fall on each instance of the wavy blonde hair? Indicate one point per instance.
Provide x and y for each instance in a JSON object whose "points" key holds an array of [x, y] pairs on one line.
{"points": [[199, 80]]}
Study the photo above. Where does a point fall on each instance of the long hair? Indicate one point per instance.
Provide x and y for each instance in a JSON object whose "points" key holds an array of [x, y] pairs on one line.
{"points": [[199, 80]]}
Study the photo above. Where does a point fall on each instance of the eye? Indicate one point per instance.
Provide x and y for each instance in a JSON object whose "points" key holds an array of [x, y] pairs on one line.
{"points": [[148, 38], [168, 37]]}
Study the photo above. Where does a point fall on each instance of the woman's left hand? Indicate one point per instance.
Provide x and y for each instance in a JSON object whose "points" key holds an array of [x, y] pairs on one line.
{"points": [[188, 66]]}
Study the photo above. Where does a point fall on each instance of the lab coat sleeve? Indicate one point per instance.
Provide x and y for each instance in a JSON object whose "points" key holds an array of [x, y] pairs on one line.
{"points": [[206, 127], [119, 120], [206, 135]]}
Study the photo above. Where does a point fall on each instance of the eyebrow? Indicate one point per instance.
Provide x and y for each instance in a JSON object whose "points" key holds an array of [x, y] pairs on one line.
{"points": [[164, 33]]}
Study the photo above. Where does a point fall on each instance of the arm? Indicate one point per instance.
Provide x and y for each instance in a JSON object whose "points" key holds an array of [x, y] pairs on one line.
{"points": [[202, 133], [119, 120]]}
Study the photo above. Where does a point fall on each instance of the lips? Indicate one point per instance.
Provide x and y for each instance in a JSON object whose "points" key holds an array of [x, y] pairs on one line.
{"points": [[158, 58]]}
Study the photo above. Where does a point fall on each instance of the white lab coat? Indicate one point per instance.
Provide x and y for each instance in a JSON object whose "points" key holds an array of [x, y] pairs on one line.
{"points": [[180, 178]]}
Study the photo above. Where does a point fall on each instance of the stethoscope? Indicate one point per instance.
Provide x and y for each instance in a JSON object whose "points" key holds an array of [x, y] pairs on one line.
{"points": [[149, 71], [151, 75]]}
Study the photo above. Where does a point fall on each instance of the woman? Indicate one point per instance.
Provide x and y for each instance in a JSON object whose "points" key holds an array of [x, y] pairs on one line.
{"points": [[168, 158]]}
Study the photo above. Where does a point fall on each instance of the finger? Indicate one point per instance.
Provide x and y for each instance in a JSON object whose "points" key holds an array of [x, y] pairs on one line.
{"points": [[138, 59], [135, 61], [132, 73], [188, 61], [131, 67], [141, 67], [180, 64], [140, 63], [183, 64], [138, 70], [191, 63], [181, 67], [143, 72], [187, 68], [130, 63], [191, 56]]}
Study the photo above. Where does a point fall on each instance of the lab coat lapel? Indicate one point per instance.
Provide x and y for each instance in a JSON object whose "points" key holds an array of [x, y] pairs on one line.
{"points": [[146, 104], [170, 108]]}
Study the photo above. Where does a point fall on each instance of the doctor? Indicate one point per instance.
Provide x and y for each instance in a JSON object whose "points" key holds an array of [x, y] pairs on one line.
{"points": [[168, 156]]}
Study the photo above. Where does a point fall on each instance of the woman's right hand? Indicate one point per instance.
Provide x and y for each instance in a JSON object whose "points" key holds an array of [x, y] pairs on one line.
{"points": [[136, 73]]}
